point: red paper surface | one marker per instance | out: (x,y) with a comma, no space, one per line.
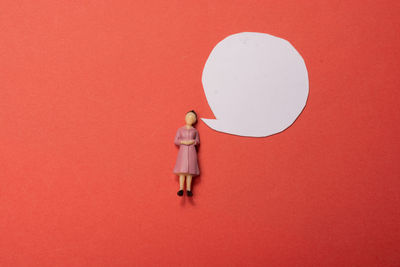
(91,96)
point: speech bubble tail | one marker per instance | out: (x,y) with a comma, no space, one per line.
(222,126)
(212,123)
(240,128)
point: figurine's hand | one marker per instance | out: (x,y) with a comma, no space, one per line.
(187,142)
(190,142)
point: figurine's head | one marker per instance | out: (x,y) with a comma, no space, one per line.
(191,117)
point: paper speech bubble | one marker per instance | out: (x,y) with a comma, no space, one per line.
(256,84)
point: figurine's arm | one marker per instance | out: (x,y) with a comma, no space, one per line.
(177,139)
(197,139)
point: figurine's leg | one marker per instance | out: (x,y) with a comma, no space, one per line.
(188,185)
(181,181)
(188,182)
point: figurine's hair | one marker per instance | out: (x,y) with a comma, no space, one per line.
(193,113)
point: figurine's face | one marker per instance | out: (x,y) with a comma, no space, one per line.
(190,118)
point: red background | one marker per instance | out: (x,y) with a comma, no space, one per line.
(92,93)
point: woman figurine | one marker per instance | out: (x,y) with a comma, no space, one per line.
(187,137)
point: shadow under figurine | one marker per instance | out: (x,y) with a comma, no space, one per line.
(187,137)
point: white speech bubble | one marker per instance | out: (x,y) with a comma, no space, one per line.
(256,84)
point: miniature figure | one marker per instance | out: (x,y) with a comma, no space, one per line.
(187,137)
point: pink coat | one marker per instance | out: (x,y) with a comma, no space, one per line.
(186,161)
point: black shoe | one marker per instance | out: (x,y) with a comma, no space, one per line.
(189,193)
(180,193)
